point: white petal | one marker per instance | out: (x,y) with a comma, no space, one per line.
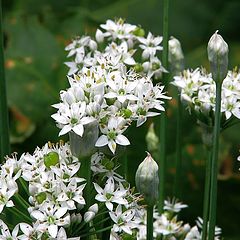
(38,215)
(112,146)
(53,229)
(26,228)
(102,141)
(60,212)
(65,129)
(122,140)
(78,129)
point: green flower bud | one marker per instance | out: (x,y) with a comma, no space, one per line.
(51,159)
(152,139)
(147,180)
(218,57)
(138,68)
(175,56)
(84,146)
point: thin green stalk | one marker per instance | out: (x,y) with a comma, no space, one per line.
(85,172)
(4,124)
(95,232)
(214,164)
(125,165)
(206,194)
(149,222)
(178,175)
(163,117)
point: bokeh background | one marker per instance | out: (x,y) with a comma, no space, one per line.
(35,34)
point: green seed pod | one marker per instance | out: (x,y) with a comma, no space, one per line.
(139,32)
(51,159)
(147,180)
(41,197)
(218,57)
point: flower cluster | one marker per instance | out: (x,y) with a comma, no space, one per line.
(198,90)
(50,178)
(168,225)
(112,97)
(122,41)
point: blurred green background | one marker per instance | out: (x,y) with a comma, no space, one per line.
(36,33)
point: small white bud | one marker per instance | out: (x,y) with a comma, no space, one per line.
(93,208)
(88,216)
(218,56)
(76,217)
(175,56)
(99,36)
(92,45)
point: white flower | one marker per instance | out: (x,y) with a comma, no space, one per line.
(113,134)
(51,217)
(173,205)
(110,195)
(73,119)
(123,220)
(71,194)
(165,227)
(150,45)
(5,233)
(8,188)
(118,29)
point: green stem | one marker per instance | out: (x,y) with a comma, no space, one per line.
(149,222)
(95,232)
(214,164)
(178,175)
(4,124)
(85,172)
(163,117)
(125,165)
(206,194)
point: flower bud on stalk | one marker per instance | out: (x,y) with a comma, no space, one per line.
(175,56)
(218,57)
(84,146)
(147,180)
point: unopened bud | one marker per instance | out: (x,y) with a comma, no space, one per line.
(218,57)
(99,36)
(88,216)
(152,139)
(76,217)
(147,180)
(175,56)
(84,146)
(93,208)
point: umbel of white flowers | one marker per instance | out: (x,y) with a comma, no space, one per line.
(218,57)
(147,180)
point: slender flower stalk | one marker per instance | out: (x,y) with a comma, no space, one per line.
(218,58)
(176,60)
(206,194)
(4,124)
(150,222)
(163,117)
(214,163)
(85,172)
(178,163)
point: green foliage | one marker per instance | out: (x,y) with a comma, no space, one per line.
(36,33)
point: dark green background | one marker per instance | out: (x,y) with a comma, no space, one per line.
(36,33)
